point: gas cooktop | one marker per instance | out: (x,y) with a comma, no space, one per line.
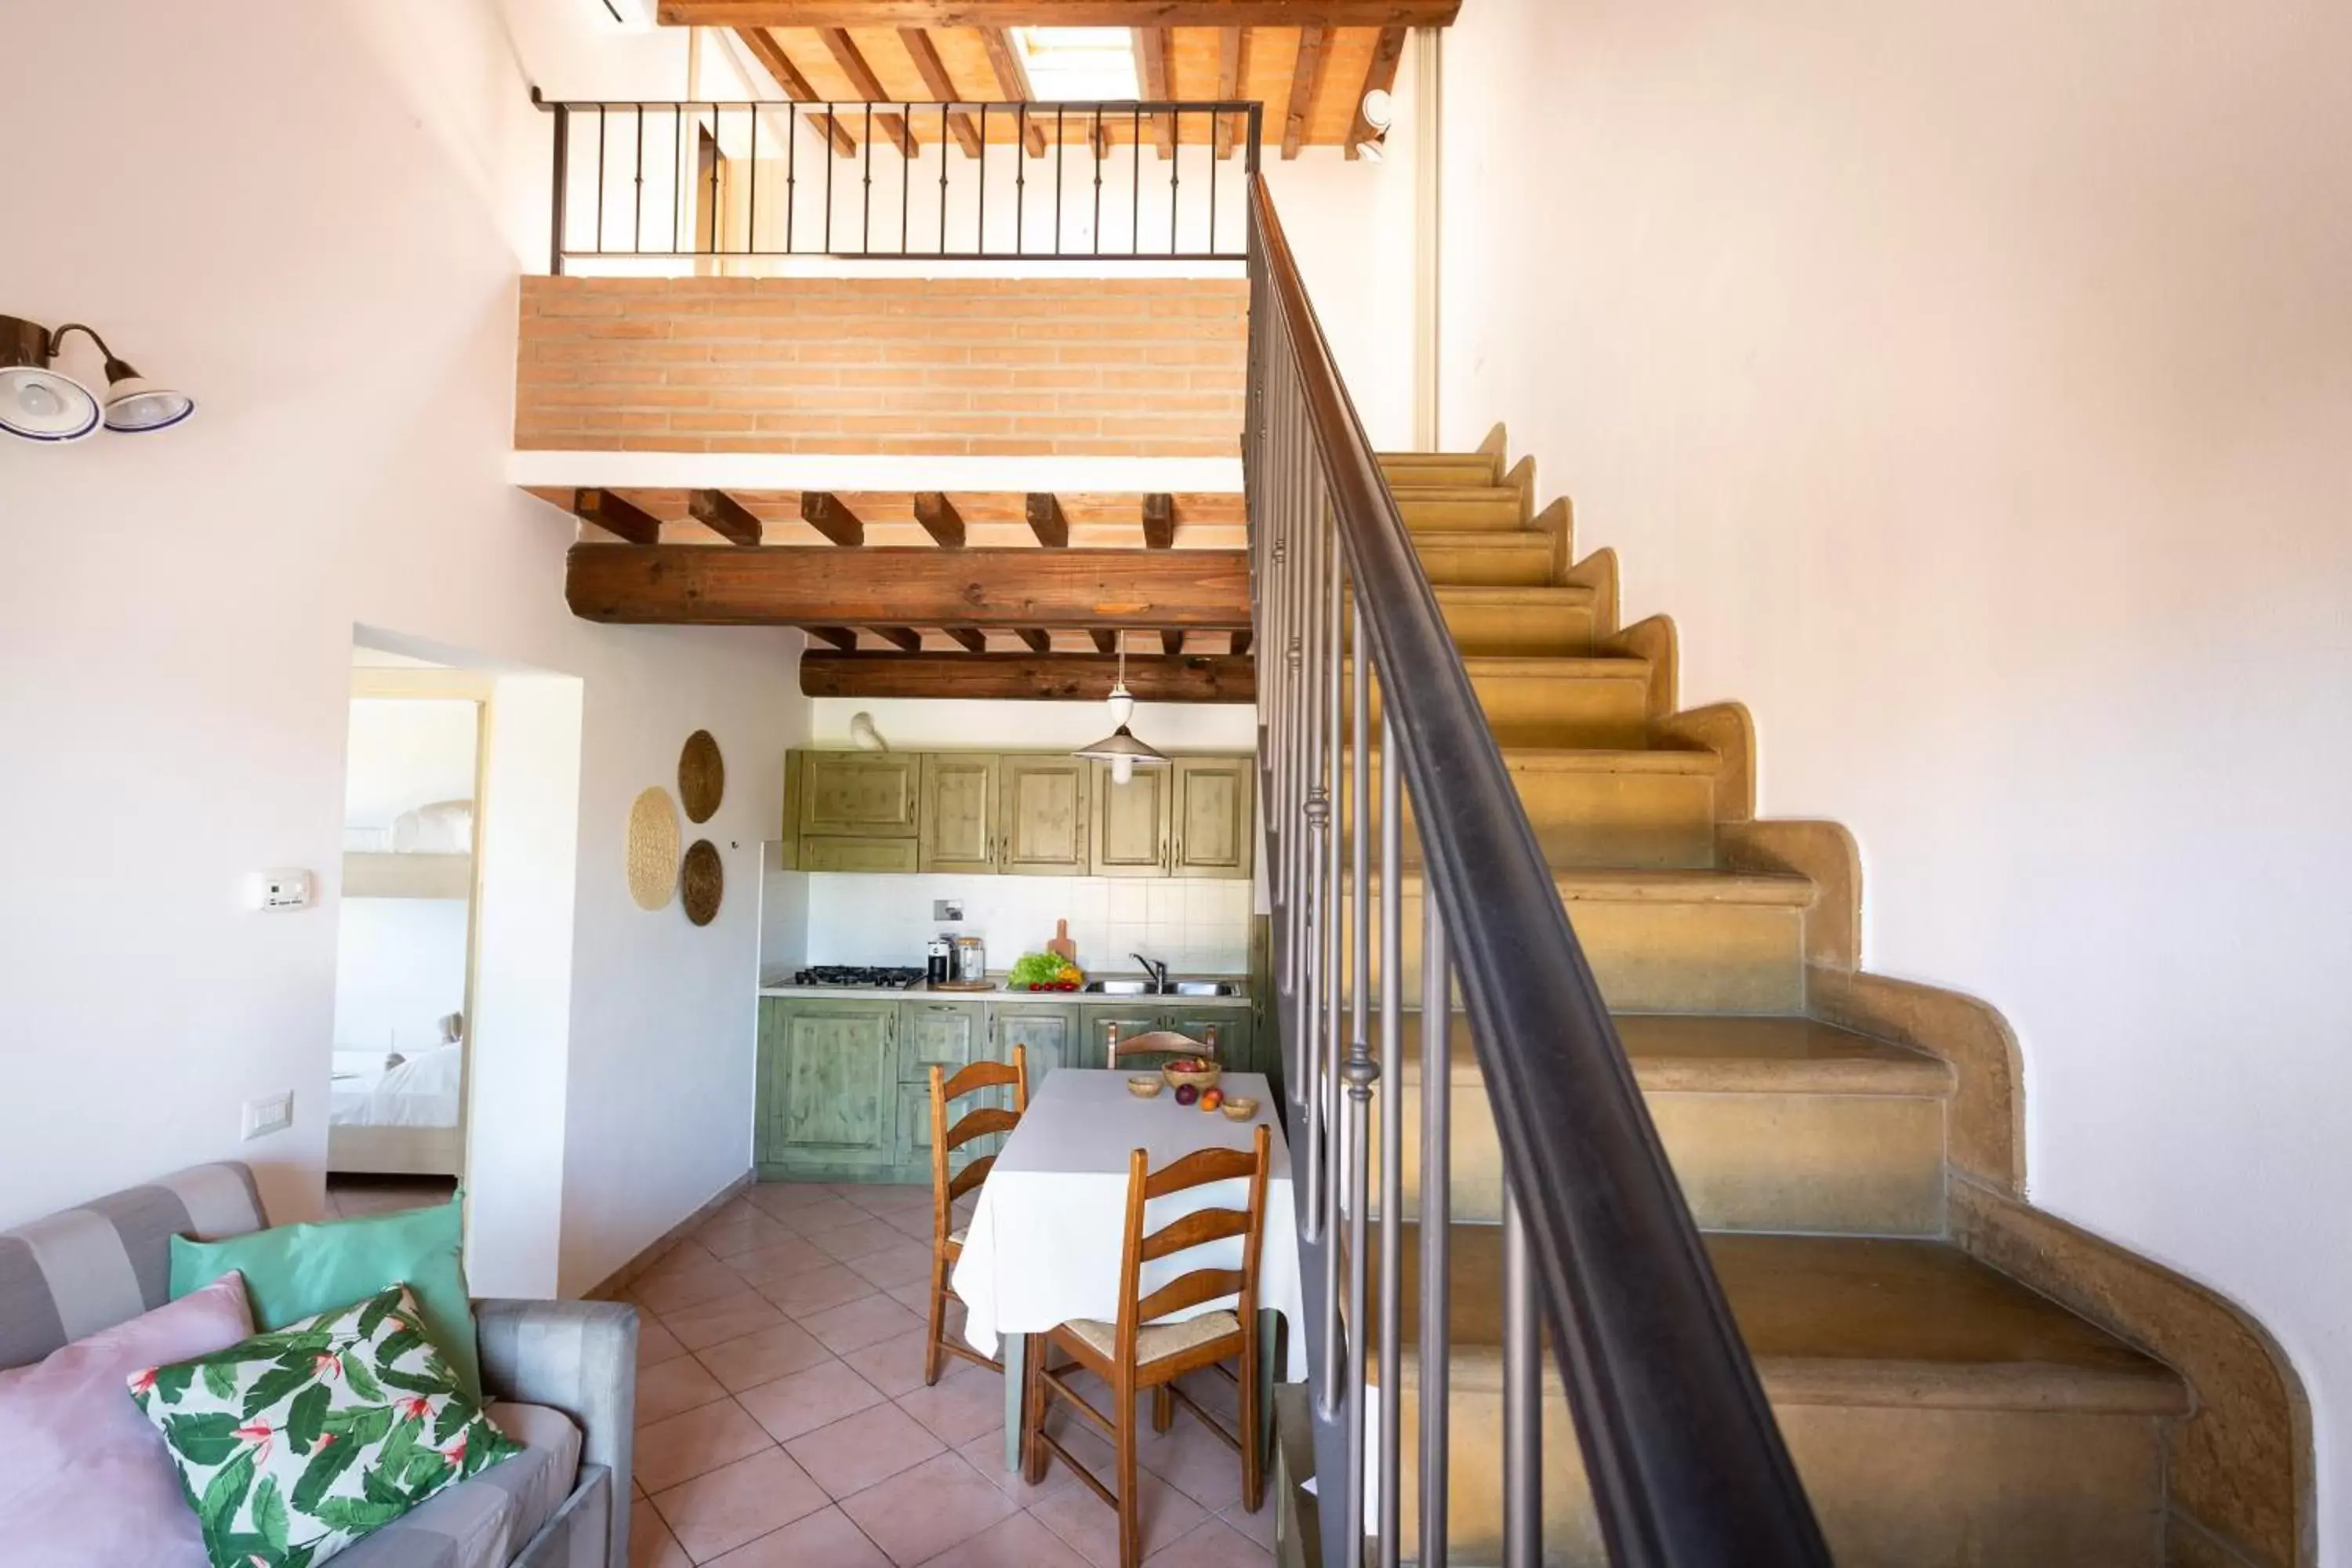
(870,977)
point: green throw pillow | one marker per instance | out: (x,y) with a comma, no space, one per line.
(297,1271)
(296,1443)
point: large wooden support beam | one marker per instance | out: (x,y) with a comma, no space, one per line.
(861,76)
(1011,76)
(611,514)
(723,515)
(1046,521)
(1240,644)
(1158,521)
(699,584)
(1306,81)
(1378,77)
(822,511)
(940,519)
(1058,13)
(1046,677)
(779,65)
(941,86)
(1105,640)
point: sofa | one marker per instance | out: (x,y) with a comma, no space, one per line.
(560,1376)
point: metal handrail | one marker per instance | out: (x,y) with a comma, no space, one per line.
(1685,1461)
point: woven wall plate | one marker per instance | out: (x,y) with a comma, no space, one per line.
(703,881)
(653,848)
(701,776)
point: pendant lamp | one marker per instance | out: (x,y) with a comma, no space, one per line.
(1120,749)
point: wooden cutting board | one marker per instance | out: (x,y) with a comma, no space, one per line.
(1062,947)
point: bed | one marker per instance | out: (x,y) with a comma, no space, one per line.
(390,1114)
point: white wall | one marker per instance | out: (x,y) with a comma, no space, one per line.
(1973,383)
(404,752)
(311,217)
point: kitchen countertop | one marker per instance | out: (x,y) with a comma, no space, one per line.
(997,993)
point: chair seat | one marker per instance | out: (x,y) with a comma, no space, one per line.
(955,1237)
(1156,1341)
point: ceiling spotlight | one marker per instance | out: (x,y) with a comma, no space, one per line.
(1380,108)
(43,405)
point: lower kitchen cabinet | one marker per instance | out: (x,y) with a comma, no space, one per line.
(949,1035)
(1233,1027)
(1133,1019)
(828,1085)
(1047,1032)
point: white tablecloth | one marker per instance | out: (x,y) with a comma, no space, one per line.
(1045,1242)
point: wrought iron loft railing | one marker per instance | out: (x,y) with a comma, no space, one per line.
(643,187)
(1685,1464)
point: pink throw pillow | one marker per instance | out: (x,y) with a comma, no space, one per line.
(84,1479)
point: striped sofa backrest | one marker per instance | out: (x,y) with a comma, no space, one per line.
(73,1273)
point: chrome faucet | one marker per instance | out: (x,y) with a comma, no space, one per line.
(1159,972)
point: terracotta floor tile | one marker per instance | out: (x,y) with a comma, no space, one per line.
(916,1515)
(651,1545)
(1213,1544)
(1019,1542)
(856,1453)
(753,1359)
(826,1539)
(966,1402)
(914,1224)
(684,1447)
(683,1255)
(674,1386)
(776,1199)
(728,1318)
(860,1239)
(854,1325)
(819,1289)
(900,1263)
(805,1401)
(1193,1459)
(895,1365)
(656,1344)
(1258,1526)
(778,1261)
(986,1455)
(816,1215)
(668,1293)
(741,1503)
(736,1234)
(1089,1527)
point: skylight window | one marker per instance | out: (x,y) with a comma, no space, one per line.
(1078,64)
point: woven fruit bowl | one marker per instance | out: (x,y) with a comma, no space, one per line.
(1198,1071)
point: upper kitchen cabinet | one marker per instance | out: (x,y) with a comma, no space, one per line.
(860,794)
(1211,811)
(1041,816)
(958,812)
(1130,831)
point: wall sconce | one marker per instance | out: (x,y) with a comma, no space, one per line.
(43,405)
(1378,113)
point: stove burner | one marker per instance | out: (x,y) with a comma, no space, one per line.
(871,977)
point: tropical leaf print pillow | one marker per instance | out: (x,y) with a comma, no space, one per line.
(296,1443)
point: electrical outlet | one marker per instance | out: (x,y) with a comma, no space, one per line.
(273,1113)
(947,909)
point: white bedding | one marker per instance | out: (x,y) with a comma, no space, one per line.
(421,1092)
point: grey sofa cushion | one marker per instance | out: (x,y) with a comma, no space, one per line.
(487,1522)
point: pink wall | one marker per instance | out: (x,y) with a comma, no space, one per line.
(1973,383)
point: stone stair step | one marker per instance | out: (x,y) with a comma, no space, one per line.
(1519,620)
(1560,702)
(1603,807)
(1940,1415)
(1522,558)
(1480,508)
(1413,468)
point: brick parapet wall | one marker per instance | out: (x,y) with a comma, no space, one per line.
(1082,366)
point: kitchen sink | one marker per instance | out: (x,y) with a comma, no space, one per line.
(1204,988)
(1123,988)
(1173,988)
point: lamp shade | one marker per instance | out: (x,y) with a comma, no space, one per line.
(135,404)
(37,403)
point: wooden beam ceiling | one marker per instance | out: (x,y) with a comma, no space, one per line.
(841,637)
(1012,78)
(844,49)
(1046,521)
(1172,643)
(940,519)
(1232,69)
(696,584)
(1378,77)
(1240,644)
(1159,522)
(906,639)
(723,515)
(940,86)
(967,638)
(1306,81)
(610,512)
(1038,641)
(772,59)
(1105,640)
(823,512)
(1155,72)
(1058,13)
(1192,678)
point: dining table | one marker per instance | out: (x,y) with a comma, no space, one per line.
(1047,1237)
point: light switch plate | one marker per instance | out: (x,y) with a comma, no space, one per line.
(273,1113)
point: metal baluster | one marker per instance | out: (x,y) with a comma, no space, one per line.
(556,209)
(600,179)
(1175,174)
(1314,807)
(1436,1208)
(1213,120)
(1095,145)
(1332,1023)
(1361,1070)
(678,160)
(1391,1348)
(1061,159)
(829,123)
(943,177)
(1135,197)
(751,200)
(1522,1392)
(866,194)
(637,201)
(980,207)
(1019,177)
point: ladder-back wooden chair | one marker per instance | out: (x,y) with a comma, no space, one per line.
(1141,1352)
(946,1242)
(1161,1043)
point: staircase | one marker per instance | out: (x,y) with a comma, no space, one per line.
(1939,1413)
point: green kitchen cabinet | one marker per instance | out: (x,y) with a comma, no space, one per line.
(860,794)
(958,812)
(950,1036)
(1143,1015)
(1210,814)
(1133,1015)
(1130,823)
(1233,1027)
(857,854)
(829,1081)
(1048,1030)
(1041,816)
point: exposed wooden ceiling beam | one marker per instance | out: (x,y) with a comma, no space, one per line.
(611,514)
(1233,70)
(1046,521)
(940,519)
(1241,643)
(1153,71)
(1172,643)
(841,637)
(816,586)
(906,639)
(844,49)
(1158,521)
(1050,677)
(1038,641)
(1306,81)
(794,86)
(1378,77)
(823,512)
(941,86)
(968,639)
(1011,76)
(724,515)
(1058,13)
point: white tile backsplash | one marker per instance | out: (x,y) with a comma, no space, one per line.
(1201,927)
